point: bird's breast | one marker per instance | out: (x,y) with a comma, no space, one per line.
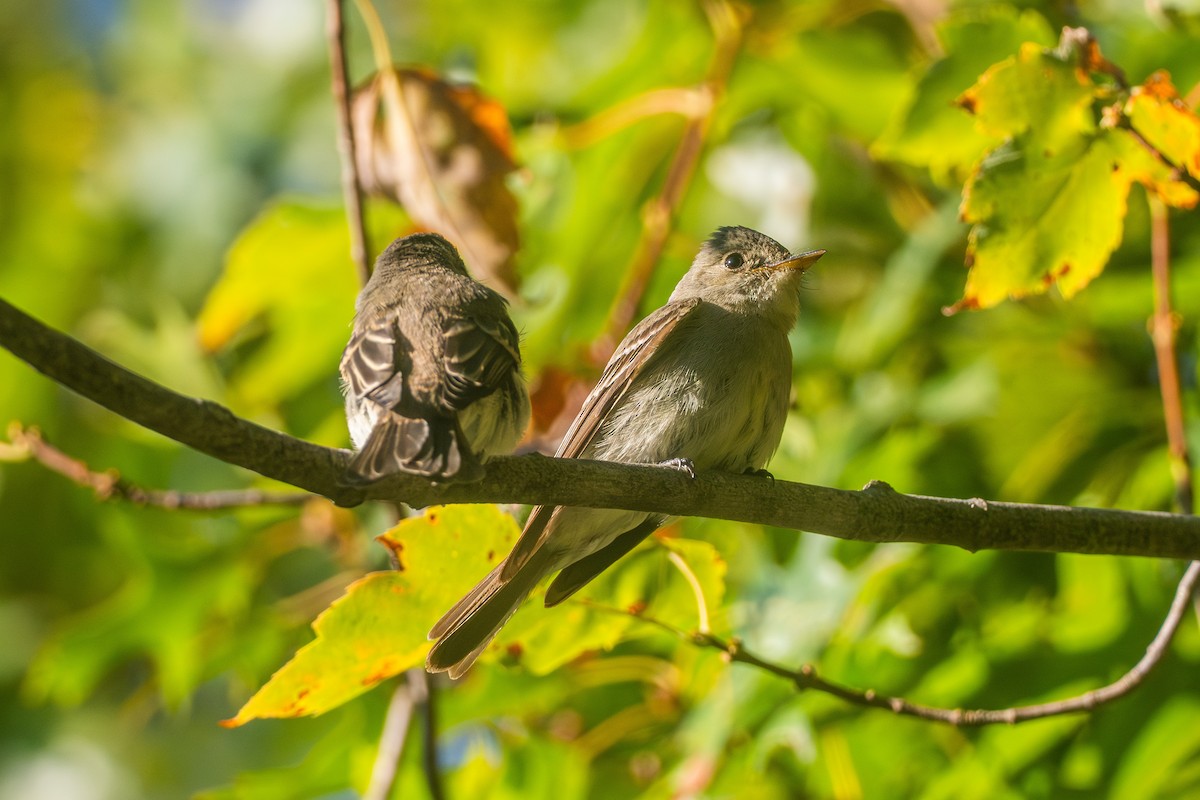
(719,400)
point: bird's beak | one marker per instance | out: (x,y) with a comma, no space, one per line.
(799,261)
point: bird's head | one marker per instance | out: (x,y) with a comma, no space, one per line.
(420,250)
(748,272)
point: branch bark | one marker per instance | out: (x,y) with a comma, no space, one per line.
(109,485)
(877,513)
(805,677)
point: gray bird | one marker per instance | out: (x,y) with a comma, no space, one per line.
(702,383)
(432,372)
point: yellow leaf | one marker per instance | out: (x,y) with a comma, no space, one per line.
(378,628)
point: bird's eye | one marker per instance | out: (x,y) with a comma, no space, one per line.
(734,260)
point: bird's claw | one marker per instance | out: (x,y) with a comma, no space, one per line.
(681,464)
(760,473)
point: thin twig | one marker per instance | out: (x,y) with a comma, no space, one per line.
(691,102)
(1162,331)
(425,692)
(391,743)
(806,677)
(352,193)
(109,485)
(410,698)
(659,214)
(876,513)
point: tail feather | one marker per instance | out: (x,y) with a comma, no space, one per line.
(433,448)
(467,628)
(471,601)
(575,576)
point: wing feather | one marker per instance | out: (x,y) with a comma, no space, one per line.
(480,353)
(636,352)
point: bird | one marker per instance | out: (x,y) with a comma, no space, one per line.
(432,371)
(702,383)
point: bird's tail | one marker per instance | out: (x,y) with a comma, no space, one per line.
(466,629)
(433,448)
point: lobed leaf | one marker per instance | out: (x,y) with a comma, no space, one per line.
(1048,205)
(1164,122)
(378,628)
(931,130)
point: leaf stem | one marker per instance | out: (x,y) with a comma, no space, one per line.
(697,590)
(375,30)
(391,743)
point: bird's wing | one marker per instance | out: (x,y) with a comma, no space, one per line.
(374,363)
(409,435)
(575,576)
(633,355)
(481,350)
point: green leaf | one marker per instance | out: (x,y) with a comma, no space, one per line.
(289,280)
(1092,607)
(176,609)
(1048,205)
(931,130)
(1038,92)
(378,628)
(644,582)
(1162,761)
(1042,217)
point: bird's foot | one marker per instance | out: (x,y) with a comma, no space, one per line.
(759,473)
(681,464)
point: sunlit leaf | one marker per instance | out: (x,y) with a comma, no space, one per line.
(378,628)
(932,130)
(1041,220)
(444,152)
(1038,92)
(288,278)
(1165,123)
(1048,205)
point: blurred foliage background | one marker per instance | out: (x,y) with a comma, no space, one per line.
(151,151)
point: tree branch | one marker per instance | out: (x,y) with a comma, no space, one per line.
(806,677)
(875,514)
(200,424)
(109,485)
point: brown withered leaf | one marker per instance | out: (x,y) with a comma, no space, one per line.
(442,151)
